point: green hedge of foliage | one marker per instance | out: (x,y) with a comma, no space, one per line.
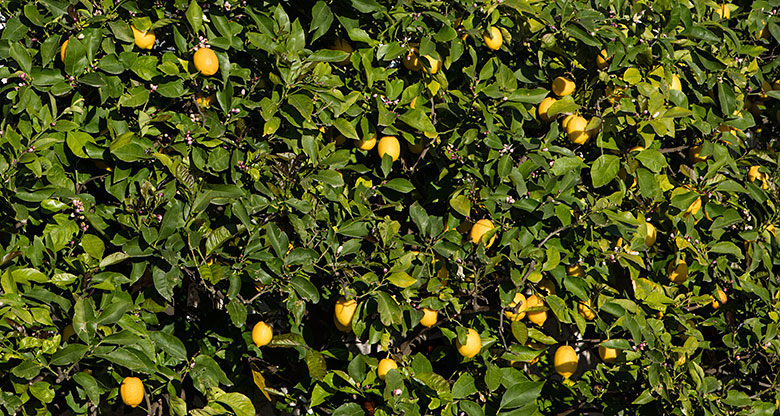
(151,215)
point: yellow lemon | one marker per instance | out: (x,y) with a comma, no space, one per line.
(479,229)
(677,273)
(472,346)
(366,144)
(345,310)
(518,300)
(430,317)
(63,48)
(567,119)
(651,234)
(340,327)
(417,148)
(693,154)
(563,86)
(608,355)
(676,84)
(412,61)
(694,208)
(576,270)
(342,45)
(585,309)
(389,145)
(385,365)
(720,295)
(132,391)
(493,38)
(538,317)
(565,361)
(723,11)
(543,107)
(575,129)
(144,40)
(434,63)
(602,60)
(206,61)
(262,334)
(754,174)
(205,101)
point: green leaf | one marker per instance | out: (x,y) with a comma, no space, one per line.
(69,355)
(652,159)
(389,311)
(93,246)
(463,387)
(349,409)
(76,141)
(521,395)
(321,19)
(461,204)
(399,184)
(604,169)
(305,289)
(401,279)
(240,404)
(345,128)
(417,119)
(316,364)
(195,16)
(520,331)
(169,344)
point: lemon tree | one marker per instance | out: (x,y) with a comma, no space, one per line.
(368,207)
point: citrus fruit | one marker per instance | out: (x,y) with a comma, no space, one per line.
(510,313)
(63,48)
(340,327)
(493,38)
(479,229)
(567,119)
(366,144)
(754,174)
(206,61)
(563,86)
(205,101)
(575,129)
(565,361)
(546,286)
(723,11)
(472,346)
(651,234)
(144,40)
(694,208)
(720,295)
(344,310)
(429,317)
(262,334)
(411,60)
(607,355)
(678,273)
(434,63)
(342,45)
(389,145)
(543,107)
(693,154)
(576,270)
(538,317)
(385,365)
(132,391)
(602,60)
(585,310)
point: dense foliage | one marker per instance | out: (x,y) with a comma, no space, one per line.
(151,215)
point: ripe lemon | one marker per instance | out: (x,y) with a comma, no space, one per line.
(536,317)
(565,361)
(344,310)
(585,310)
(132,391)
(607,355)
(720,295)
(411,60)
(144,40)
(434,63)
(389,145)
(576,270)
(693,154)
(546,286)
(754,174)
(562,86)
(493,38)
(479,229)
(205,101)
(262,334)
(417,148)
(694,208)
(206,61)
(723,11)
(366,144)
(342,328)
(385,365)
(63,48)
(342,45)
(430,317)
(567,119)
(651,234)
(677,273)
(575,129)
(602,60)
(518,300)
(676,84)
(472,346)
(543,107)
